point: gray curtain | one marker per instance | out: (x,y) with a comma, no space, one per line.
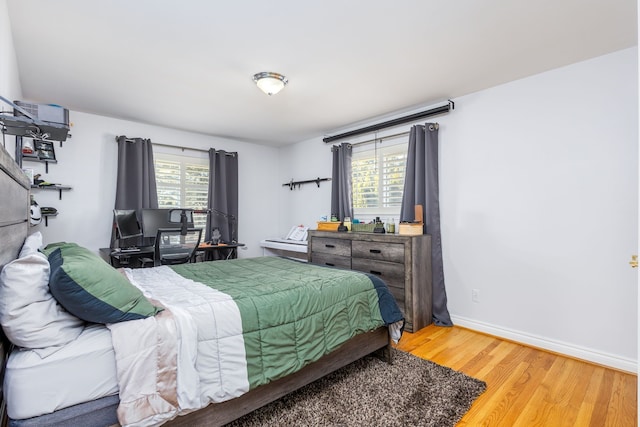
(223,195)
(341,197)
(136,178)
(421,188)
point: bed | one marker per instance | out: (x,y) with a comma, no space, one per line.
(244,315)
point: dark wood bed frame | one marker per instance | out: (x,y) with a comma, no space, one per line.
(14,227)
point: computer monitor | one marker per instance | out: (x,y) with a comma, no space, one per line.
(183,217)
(127,226)
(152,219)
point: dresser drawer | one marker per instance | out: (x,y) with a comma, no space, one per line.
(331,246)
(387,271)
(395,285)
(330,260)
(383,251)
(391,273)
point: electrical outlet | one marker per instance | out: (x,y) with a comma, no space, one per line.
(475,295)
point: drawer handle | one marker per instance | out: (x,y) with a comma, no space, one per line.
(329,264)
(329,246)
(375,251)
(377,273)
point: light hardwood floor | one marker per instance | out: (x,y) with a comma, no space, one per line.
(526,386)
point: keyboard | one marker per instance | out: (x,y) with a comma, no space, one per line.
(129,250)
(288,241)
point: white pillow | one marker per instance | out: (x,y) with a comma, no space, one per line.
(31,244)
(29,315)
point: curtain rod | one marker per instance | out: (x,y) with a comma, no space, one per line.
(179,147)
(176,146)
(381,138)
(401,120)
(392,136)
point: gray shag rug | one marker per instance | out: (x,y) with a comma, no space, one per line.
(370,392)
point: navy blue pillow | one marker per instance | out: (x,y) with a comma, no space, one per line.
(91,289)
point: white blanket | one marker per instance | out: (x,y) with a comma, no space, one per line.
(190,355)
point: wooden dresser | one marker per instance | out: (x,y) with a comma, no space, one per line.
(403,262)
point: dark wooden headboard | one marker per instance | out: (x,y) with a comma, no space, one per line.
(14,209)
(14,226)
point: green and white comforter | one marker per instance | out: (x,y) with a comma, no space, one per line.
(255,321)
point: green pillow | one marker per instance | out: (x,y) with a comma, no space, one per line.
(91,289)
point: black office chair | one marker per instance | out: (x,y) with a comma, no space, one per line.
(174,247)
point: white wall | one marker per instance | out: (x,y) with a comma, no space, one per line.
(9,79)
(304,205)
(539,207)
(88,163)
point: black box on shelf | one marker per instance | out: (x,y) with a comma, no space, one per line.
(45,150)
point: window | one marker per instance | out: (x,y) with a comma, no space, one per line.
(182,182)
(378,178)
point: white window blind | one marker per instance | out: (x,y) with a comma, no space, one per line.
(378,178)
(182,182)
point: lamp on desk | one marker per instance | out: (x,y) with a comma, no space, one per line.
(229,217)
(180,216)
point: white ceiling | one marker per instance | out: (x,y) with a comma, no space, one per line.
(188,64)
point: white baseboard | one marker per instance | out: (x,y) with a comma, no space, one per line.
(606,359)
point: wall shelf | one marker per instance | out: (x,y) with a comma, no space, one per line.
(35,159)
(25,123)
(46,218)
(293,183)
(60,188)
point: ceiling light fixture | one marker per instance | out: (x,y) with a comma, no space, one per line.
(270,83)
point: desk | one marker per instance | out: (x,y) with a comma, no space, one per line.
(224,250)
(126,259)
